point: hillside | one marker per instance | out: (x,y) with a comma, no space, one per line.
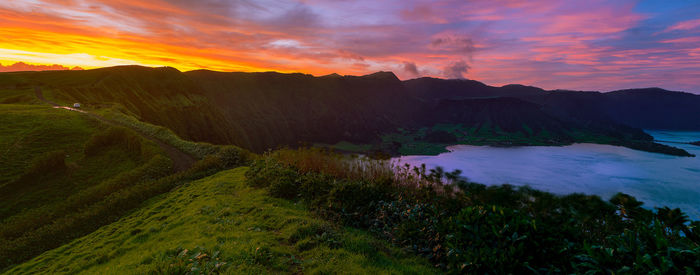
(273,109)
(648,108)
(260,111)
(68,172)
(236,229)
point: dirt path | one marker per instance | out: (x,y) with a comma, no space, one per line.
(181,160)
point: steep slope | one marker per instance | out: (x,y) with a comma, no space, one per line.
(273,109)
(162,96)
(49,154)
(240,229)
(509,114)
(654,108)
(56,162)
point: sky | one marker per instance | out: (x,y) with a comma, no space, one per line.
(553,44)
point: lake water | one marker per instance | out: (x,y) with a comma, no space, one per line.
(603,170)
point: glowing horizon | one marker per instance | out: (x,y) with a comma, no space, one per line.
(596,45)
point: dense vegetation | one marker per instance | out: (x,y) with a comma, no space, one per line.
(220,225)
(467,227)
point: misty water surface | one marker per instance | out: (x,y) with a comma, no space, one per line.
(655,179)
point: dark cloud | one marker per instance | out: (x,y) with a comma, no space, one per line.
(299,17)
(410,68)
(456,70)
(459,45)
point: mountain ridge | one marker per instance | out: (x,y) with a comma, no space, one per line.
(264,110)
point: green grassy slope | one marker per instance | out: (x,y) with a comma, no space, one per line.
(250,232)
(32,134)
(55,164)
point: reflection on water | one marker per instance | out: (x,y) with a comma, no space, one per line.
(656,179)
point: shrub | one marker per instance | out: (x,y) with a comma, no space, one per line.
(315,187)
(353,200)
(416,226)
(472,228)
(285,184)
(185,261)
(51,162)
(127,139)
(644,250)
(490,239)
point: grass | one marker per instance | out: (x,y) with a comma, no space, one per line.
(196,149)
(252,233)
(31,133)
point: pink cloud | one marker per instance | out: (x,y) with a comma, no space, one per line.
(685,25)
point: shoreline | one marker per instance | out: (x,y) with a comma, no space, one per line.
(652,147)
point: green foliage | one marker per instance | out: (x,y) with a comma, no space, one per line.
(196,149)
(285,184)
(641,249)
(49,163)
(188,262)
(353,198)
(314,186)
(253,233)
(28,132)
(410,224)
(29,234)
(490,240)
(465,227)
(114,136)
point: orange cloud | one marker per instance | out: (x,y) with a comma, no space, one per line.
(21,66)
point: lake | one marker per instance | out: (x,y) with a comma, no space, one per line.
(603,170)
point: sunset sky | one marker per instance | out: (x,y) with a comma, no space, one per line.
(554,44)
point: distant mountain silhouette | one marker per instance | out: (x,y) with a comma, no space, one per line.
(648,108)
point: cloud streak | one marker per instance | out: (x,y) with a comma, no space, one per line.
(596,45)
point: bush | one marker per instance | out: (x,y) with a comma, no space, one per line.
(644,250)
(490,239)
(416,226)
(114,136)
(315,187)
(185,261)
(285,184)
(472,228)
(354,198)
(47,163)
